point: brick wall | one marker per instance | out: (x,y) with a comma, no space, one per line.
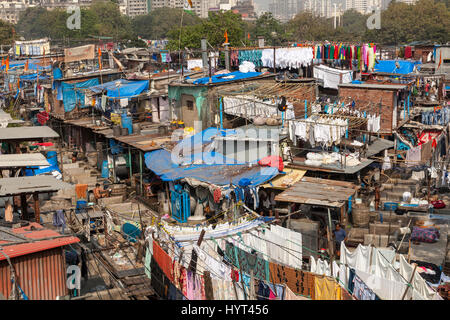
(309,93)
(422,53)
(364,96)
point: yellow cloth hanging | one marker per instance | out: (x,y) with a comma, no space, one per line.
(326,288)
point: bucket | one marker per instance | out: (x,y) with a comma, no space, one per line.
(127,123)
(117,131)
(124,131)
(136,128)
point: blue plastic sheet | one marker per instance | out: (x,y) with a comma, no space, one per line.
(388,66)
(126,89)
(32,77)
(232,76)
(205,136)
(32,65)
(52,158)
(160,162)
(57,73)
(71,94)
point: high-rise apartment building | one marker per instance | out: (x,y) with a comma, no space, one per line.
(363,6)
(284,10)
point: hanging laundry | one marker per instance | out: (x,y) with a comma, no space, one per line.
(248,262)
(326,288)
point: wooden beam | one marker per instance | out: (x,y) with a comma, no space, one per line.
(37,209)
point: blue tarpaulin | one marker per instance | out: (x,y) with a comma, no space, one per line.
(205,136)
(57,73)
(215,168)
(72,94)
(52,160)
(237,75)
(32,77)
(160,162)
(388,66)
(32,65)
(121,88)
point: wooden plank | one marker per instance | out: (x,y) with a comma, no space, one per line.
(141,292)
(332,182)
(135,280)
(131,272)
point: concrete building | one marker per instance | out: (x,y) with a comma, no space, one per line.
(136,7)
(200,7)
(363,6)
(284,10)
(10,10)
(321,8)
(246,9)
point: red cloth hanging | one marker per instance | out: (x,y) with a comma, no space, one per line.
(408,52)
(163,260)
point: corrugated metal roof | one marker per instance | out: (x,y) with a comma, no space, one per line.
(374,86)
(36,234)
(22,160)
(27,133)
(42,183)
(315,191)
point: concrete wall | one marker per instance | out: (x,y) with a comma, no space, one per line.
(443,52)
(364,96)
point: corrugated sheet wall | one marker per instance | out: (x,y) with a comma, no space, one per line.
(41,275)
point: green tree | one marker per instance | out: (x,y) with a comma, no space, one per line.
(213,29)
(160,21)
(7,32)
(402,23)
(270,29)
(305,26)
(100,19)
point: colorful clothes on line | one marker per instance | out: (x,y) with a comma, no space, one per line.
(159,282)
(289,295)
(300,282)
(361,291)
(248,262)
(209,291)
(326,288)
(163,260)
(195,286)
(174,293)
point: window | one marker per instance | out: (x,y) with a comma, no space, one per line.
(190,105)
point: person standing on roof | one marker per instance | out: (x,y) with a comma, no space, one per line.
(339,235)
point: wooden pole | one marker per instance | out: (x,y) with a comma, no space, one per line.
(409,284)
(274,67)
(23,205)
(61,157)
(37,210)
(403,238)
(129,160)
(140,173)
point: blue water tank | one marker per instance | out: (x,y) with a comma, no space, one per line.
(105,170)
(127,123)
